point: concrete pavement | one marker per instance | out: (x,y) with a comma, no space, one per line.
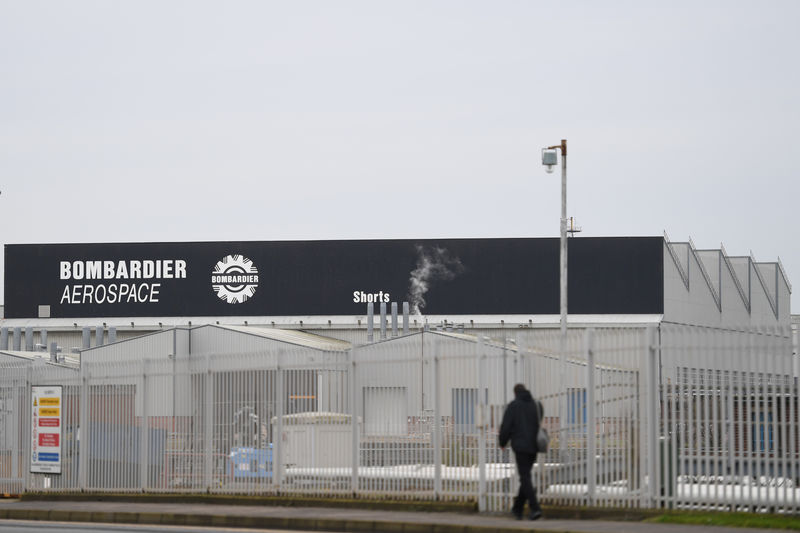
(319,518)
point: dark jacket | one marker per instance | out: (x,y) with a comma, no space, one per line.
(520,424)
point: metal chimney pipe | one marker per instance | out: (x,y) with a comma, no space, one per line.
(17,341)
(394,319)
(54,352)
(87,338)
(3,338)
(370,321)
(98,335)
(405,318)
(112,335)
(28,339)
(43,338)
(383,320)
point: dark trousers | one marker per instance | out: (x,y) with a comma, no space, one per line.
(526,491)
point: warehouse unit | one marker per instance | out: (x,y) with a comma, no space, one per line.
(413,412)
(81,295)
(77,296)
(487,286)
(383,367)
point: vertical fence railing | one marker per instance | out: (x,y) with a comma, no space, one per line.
(481,422)
(436,425)
(355,440)
(650,476)
(591,418)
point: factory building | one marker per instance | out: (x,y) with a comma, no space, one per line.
(495,287)
(388,354)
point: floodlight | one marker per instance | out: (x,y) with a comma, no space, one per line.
(549,159)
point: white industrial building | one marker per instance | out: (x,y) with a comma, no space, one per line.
(383,401)
(703,288)
(723,300)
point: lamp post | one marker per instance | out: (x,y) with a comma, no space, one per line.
(549,160)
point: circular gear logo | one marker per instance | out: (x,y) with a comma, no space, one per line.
(234,279)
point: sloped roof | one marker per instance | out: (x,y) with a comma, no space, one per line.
(27,357)
(293,336)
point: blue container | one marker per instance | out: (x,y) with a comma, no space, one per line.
(248,463)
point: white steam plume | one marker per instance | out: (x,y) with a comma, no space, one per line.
(433,264)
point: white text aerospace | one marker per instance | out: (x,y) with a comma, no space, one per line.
(121,291)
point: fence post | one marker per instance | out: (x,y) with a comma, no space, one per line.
(651,413)
(143,431)
(277,435)
(354,421)
(437,430)
(792,428)
(208,425)
(17,414)
(482,423)
(591,422)
(83,428)
(26,423)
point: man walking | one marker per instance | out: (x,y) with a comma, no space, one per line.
(521,426)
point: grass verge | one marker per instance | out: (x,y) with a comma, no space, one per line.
(745,520)
(233,499)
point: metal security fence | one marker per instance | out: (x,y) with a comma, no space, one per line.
(728,434)
(674,417)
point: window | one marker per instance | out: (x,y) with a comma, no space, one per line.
(762,433)
(465,402)
(576,407)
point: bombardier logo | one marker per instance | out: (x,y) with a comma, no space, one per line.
(235,279)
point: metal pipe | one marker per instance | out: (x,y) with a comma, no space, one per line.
(370,321)
(87,339)
(17,340)
(383,320)
(98,336)
(43,338)
(394,319)
(405,318)
(29,339)
(112,335)
(3,338)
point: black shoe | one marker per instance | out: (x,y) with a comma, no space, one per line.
(517,514)
(535,515)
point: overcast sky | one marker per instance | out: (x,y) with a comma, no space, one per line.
(183,121)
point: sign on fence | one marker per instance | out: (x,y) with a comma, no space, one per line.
(46,410)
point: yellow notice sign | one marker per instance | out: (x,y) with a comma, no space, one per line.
(49,401)
(49,411)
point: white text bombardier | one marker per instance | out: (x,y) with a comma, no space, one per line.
(133,269)
(118,270)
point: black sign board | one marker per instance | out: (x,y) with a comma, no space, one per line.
(297,278)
